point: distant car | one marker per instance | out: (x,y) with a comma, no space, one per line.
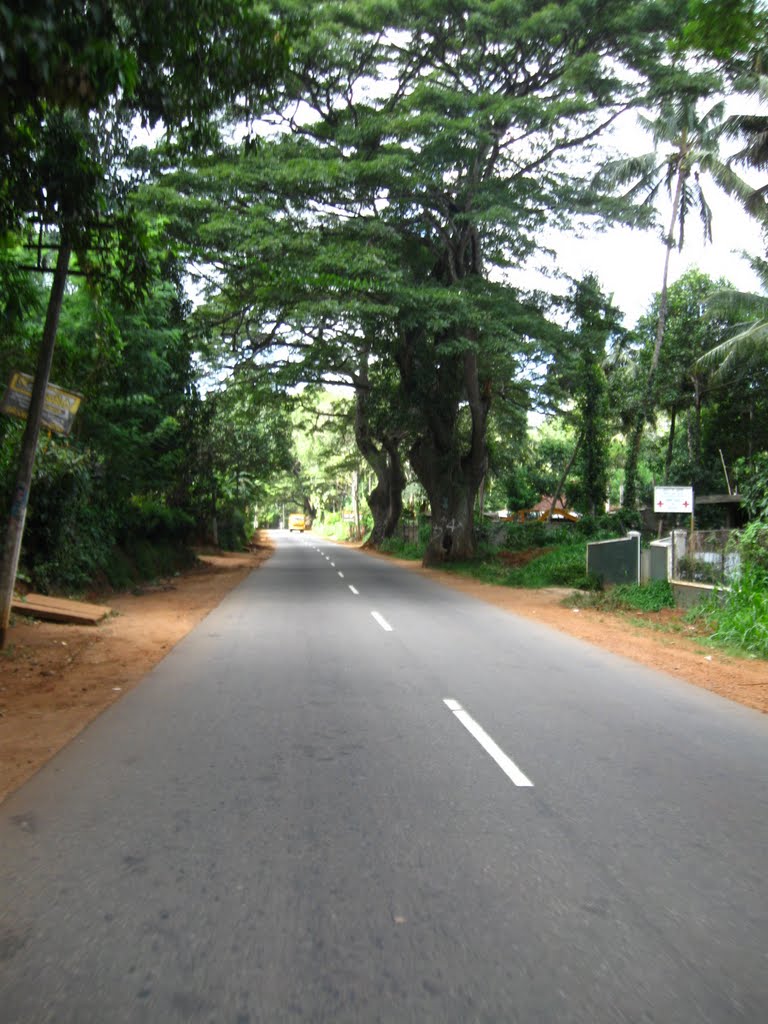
(296,521)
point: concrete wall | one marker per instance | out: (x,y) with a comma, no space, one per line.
(615,561)
(688,595)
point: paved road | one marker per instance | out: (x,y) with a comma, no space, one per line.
(287,822)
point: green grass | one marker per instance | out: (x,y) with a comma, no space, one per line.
(638,597)
(740,623)
(399,548)
(563,566)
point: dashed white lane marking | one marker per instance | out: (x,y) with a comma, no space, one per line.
(506,764)
(333,565)
(353,589)
(382,622)
(341,574)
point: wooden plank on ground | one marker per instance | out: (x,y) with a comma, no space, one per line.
(59,609)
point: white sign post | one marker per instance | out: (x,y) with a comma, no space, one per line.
(673,499)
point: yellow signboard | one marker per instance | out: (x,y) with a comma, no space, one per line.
(59,409)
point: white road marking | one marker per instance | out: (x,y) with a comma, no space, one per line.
(382,622)
(341,574)
(333,565)
(353,589)
(327,558)
(506,764)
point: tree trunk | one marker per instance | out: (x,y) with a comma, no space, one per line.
(451,485)
(214,514)
(564,476)
(396,485)
(646,406)
(356,502)
(696,454)
(668,460)
(18,513)
(450,477)
(670,445)
(386,499)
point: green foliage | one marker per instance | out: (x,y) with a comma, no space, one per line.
(561,566)
(723,28)
(234,527)
(150,518)
(564,566)
(538,533)
(71,62)
(695,570)
(642,597)
(577,386)
(374,226)
(738,617)
(740,621)
(70,531)
(753,545)
(140,560)
(534,534)
(400,548)
(75,536)
(752,476)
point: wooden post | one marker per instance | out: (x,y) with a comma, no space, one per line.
(18,512)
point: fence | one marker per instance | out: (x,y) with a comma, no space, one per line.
(408,530)
(705,556)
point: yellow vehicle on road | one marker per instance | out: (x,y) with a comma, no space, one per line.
(296,521)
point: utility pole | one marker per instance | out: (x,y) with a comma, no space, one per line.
(20,500)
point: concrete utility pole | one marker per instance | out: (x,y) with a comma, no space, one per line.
(18,514)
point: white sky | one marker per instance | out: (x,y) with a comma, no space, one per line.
(629,262)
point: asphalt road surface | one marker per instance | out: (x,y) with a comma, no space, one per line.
(353,795)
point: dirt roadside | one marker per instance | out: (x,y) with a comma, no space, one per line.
(54,678)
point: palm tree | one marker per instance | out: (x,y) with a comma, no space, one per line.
(753,130)
(750,341)
(751,338)
(691,150)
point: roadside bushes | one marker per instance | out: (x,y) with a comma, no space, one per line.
(639,597)
(70,530)
(741,620)
(76,534)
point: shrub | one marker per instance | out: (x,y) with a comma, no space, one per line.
(564,566)
(400,548)
(69,529)
(233,528)
(149,518)
(560,566)
(741,621)
(753,545)
(642,597)
(696,570)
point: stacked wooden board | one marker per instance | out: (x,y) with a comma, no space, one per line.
(59,609)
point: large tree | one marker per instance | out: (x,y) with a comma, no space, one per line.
(687,143)
(418,148)
(73,75)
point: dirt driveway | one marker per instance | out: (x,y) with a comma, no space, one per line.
(54,679)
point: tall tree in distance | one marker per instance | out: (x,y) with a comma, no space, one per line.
(686,148)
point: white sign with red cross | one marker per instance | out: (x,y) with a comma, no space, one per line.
(673,499)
